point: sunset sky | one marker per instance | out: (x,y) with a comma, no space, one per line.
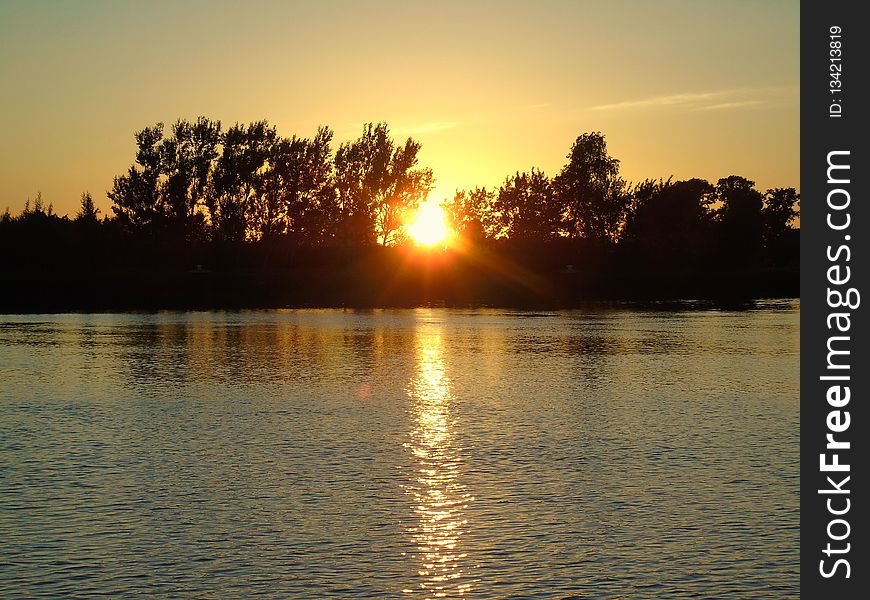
(689,88)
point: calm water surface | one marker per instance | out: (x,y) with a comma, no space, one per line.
(389,454)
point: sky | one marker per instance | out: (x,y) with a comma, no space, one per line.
(682,88)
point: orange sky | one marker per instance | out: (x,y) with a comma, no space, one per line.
(690,88)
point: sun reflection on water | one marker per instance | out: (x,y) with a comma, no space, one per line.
(439,496)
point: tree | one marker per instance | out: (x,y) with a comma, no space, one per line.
(781,207)
(235,181)
(186,161)
(669,224)
(526,208)
(87,212)
(740,221)
(378,185)
(471,213)
(136,195)
(167,190)
(351,163)
(593,196)
(38,207)
(267,209)
(315,213)
(295,189)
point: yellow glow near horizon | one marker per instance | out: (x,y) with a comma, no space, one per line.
(430,224)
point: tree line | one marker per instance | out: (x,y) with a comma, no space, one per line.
(248,183)
(198,183)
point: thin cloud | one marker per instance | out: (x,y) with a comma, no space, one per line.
(730,105)
(718,100)
(660,101)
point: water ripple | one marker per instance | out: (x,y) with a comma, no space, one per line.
(628,453)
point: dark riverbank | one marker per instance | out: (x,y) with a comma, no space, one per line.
(149,289)
(76,267)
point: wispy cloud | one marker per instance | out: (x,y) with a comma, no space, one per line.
(659,101)
(730,105)
(716,100)
(540,105)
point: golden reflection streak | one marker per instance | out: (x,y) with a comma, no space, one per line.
(439,496)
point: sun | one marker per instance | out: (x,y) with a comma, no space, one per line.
(430,224)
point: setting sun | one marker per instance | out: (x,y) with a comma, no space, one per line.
(429,226)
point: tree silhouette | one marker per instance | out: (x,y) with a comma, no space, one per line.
(136,195)
(269,210)
(740,221)
(283,220)
(471,213)
(377,181)
(167,190)
(248,198)
(352,162)
(593,196)
(232,196)
(526,208)
(314,212)
(781,207)
(186,163)
(87,212)
(38,207)
(296,190)
(669,224)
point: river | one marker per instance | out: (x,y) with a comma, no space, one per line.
(602,453)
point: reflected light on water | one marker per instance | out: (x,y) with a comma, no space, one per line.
(439,496)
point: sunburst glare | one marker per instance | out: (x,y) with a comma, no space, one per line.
(430,224)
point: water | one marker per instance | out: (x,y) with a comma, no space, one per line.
(389,454)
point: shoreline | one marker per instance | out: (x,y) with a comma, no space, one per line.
(30,292)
